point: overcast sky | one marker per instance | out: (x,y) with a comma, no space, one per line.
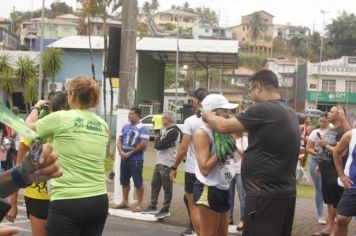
(297,12)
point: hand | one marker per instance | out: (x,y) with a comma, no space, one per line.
(206,115)
(173,175)
(41,103)
(346,181)
(317,170)
(12,213)
(124,155)
(322,143)
(340,111)
(48,167)
(9,231)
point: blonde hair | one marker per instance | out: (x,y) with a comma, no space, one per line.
(85,91)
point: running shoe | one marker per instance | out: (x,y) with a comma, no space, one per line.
(188,232)
(162,213)
(149,210)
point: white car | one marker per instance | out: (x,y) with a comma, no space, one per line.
(147,121)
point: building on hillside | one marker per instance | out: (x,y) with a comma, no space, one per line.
(262,45)
(211,32)
(239,76)
(332,82)
(289,31)
(97,26)
(71,18)
(5,24)
(283,68)
(8,40)
(167,20)
(53,29)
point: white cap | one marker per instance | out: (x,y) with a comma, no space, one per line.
(214,101)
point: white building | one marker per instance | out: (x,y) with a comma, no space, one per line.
(211,32)
(332,82)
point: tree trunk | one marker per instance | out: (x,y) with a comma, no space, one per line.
(9,98)
(105,71)
(111,152)
(128,54)
(90,48)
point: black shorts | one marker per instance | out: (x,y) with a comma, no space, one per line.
(75,217)
(347,204)
(212,197)
(268,216)
(331,190)
(189,180)
(36,207)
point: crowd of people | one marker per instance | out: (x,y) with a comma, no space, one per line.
(220,150)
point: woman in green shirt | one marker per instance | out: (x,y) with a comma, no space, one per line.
(79,202)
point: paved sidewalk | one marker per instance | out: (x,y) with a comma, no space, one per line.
(305,220)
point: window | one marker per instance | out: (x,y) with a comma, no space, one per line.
(206,30)
(328,85)
(350,87)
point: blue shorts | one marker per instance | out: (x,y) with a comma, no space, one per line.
(347,203)
(214,198)
(130,168)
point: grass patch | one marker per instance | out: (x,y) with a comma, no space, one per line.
(303,191)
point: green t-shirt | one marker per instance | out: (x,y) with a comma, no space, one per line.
(80,138)
(157,121)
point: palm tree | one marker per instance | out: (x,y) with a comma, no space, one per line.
(88,12)
(9,83)
(30,92)
(25,69)
(5,64)
(256,27)
(52,62)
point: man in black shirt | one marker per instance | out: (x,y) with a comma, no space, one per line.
(269,163)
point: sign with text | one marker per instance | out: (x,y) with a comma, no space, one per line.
(338,97)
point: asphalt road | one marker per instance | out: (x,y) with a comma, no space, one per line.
(115,226)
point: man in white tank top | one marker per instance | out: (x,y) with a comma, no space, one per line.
(347,179)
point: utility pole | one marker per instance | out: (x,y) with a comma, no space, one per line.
(177,67)
(128,54)
(40,73)
(320,58)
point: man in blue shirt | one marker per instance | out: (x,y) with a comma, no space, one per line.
(131,145)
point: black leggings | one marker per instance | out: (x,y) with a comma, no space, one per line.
(77,217)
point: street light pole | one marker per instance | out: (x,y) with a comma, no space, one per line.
(321,55)
(177,66)
(40,73)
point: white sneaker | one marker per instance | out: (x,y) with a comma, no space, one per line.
(321,220)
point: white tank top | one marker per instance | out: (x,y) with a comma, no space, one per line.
(221,175)
(350,167)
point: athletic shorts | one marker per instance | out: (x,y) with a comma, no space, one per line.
(78,217)
(130,168)
(268,216)
(189,180)
(212,197)
(347,204)
(37,207)
(331,190)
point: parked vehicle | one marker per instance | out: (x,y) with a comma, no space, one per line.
(314,113)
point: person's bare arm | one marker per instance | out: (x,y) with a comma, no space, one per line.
(222,124)
(138,148)
(202,146)
(12,213)
(181,154)
(33,116)
(310,147)
(337,155)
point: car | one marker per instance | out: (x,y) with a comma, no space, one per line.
(314,113)
(147,121)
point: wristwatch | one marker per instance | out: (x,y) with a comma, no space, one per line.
(35,108)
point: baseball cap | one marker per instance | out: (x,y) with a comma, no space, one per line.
(214,101)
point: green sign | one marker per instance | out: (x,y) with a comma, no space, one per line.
(340,97)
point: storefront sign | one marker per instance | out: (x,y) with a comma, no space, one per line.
(336,70)
(339,97)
